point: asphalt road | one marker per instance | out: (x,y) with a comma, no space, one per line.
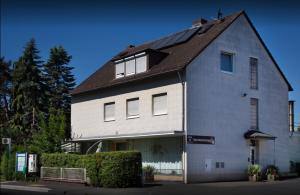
(286,187)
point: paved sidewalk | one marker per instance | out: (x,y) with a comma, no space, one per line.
(286,187)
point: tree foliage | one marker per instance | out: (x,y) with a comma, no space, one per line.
(5,93)
(60,82)
(51,132)
(35,100)
(28,92)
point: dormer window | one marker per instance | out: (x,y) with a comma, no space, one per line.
(131,65)
(120,69)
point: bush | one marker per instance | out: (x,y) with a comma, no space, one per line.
(108,169)
(148,170)
(271,170)
(254,170)
(8,164)
(121,169)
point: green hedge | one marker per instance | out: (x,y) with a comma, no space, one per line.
(108,169)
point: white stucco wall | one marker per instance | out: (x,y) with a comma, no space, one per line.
(87,118)
(215,107)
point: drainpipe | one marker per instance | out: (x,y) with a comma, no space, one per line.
(183,83)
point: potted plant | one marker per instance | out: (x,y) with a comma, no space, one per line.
(148,172)
(254,172)
(272,172)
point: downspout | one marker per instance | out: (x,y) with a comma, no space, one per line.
(183,125)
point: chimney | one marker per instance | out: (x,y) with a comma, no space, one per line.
(199,22)
(291,116)
(130,46)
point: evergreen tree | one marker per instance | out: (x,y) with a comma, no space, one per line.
(28,93)
(60,82)
(5,96)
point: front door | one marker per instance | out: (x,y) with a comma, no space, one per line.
(252,155)
(253,159)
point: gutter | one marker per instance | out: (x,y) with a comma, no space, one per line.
(184,129)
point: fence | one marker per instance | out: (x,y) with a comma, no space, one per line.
(64,174)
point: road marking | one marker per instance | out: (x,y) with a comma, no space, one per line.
(25,188)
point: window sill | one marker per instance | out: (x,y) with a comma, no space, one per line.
(227,72)
(160,114)
(133,117)
(110,120)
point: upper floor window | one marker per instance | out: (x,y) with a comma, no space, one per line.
(159,103)
(227,62)
(109,111)
(133,108)
(254,113)
(253,73)
(120,69)
(131,65)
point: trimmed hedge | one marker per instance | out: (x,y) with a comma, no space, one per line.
(107,169)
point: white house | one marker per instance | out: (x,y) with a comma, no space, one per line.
(203,103)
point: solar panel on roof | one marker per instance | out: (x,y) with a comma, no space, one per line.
(173,39)
(205,28)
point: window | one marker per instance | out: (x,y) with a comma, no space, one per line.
(130,67)
(141,64)
(120,70)
(253,73)
(109,111)
(227,62)
(159,103)
(133,108)
(121,146)
(254,113)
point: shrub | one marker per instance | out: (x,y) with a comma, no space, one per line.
(109,169)
(121,169)
(8,164)
(254,170)
(148,170)
(271,170)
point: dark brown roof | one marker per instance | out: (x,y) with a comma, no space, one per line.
(178,57)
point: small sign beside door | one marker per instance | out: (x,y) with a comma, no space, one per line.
(196,139)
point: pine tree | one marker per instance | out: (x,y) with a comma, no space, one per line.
(5,96)
(60,81)
(28,93)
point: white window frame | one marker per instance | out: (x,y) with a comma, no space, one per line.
(119,75)
(157,95)
(134,58)
(133,116)
(131,58)
(104,111)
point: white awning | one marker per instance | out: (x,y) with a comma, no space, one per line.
(253,134)
(131,136)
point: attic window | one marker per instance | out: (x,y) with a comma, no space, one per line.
(131,65)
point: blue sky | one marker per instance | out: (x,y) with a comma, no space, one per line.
(94,31)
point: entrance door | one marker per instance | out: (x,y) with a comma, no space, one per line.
(252,155)
(253,159)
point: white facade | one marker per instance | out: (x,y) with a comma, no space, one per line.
(217,107)
(87,117)
(212,103)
